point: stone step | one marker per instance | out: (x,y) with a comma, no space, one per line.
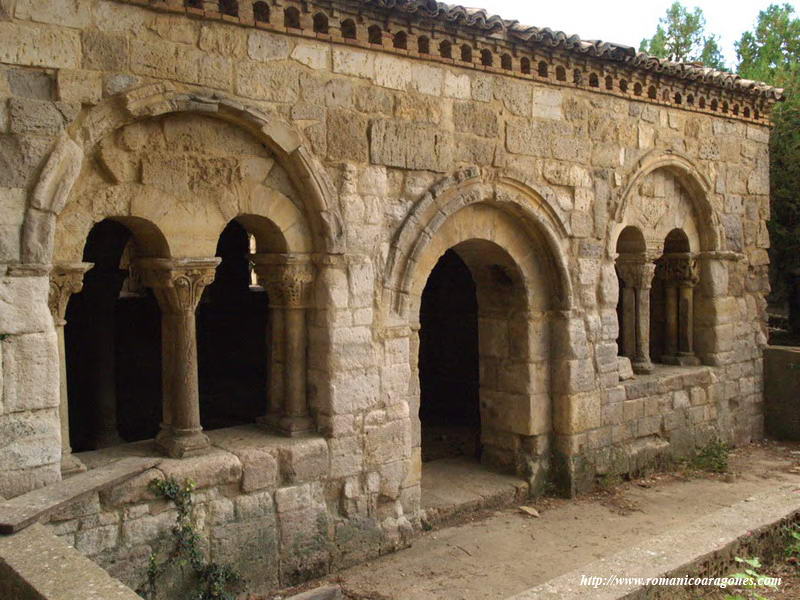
(27,509)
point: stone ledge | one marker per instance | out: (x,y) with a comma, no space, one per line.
(39,504)
(37,565)
(705,548)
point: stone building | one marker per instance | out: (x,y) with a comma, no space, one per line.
(310,248)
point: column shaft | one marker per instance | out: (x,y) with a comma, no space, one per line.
(671,321)
(178,285)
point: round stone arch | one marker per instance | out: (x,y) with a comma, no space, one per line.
(704,231)
(512,243)
(65,163)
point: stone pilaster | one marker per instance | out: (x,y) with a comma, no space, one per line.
(288,280)
(636,274)
(65,280)
(178,285)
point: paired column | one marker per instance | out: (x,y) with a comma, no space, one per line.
(287,279)
(681,277)
(65,280)
(636,274)
(178,285)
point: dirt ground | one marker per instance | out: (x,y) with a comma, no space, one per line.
(496,554)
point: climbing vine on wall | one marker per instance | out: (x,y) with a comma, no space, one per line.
(213,580)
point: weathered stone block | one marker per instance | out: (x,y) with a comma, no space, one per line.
(104,51)
(304,460)
(29,380)
(409,145)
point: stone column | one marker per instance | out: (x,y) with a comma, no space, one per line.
(637,275)
(670,355)
(685,273)
(178,285)
(287,279)
(65,280)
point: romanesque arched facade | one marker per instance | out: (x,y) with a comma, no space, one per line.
(305,254)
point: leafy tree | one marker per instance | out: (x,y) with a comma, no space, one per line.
(771,53)
(680,36)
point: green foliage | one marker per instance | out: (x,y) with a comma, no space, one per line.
(680,36)
(771,53)
(713,457)
(214,581)
(793,548)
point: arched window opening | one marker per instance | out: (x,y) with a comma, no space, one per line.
(113,347)
(594,80)
(678,98)
(261,12)
(690,100)
(651,92)
(321,23)
(229,8)
(702,102)
(543,70)
(232,333)
(735,109)
(348,27)
(714,105)
(577,77)
(466,53)
(446,49)
(291,18)
(375,35)
(609,82)
(637,89)
(487,58)
(561,73)
(400,40)
(672,303)
(747,112)
(525,65)
(506,63)
(631,267)
(623,85)
(724,107)
(423,45)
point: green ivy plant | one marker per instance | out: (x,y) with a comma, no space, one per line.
(213,580)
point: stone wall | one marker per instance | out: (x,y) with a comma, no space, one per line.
(371,164)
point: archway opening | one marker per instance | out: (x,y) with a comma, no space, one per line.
(449,363)
(113,346)
(232,337)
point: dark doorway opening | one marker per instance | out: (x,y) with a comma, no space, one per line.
(113,348)
(449,363)
(231,338)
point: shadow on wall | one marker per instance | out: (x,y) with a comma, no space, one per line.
(782,392)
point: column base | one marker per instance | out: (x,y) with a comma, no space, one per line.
(108,439)
(180,443)
(269,421)
(688,360)
(70,465)
(642,368)
(294,426)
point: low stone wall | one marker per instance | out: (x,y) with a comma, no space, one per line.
(35,565)
(782,392)
(278,509)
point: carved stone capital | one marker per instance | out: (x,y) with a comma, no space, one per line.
(177,283)
(636,273)
(681,268)
(65,280)
(287,278)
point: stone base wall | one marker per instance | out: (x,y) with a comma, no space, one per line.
(271,507)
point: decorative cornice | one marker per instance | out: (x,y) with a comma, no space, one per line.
(417,28)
